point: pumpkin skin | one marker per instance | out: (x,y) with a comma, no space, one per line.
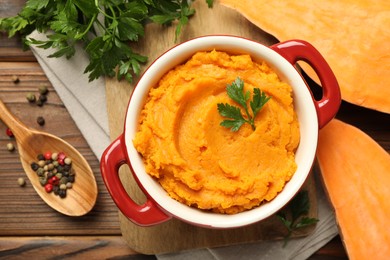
(353,36)
(356,175)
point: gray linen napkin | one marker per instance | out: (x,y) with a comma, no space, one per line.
(84,100)
(86,103)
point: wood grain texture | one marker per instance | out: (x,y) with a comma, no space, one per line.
(20,207)
(70,247)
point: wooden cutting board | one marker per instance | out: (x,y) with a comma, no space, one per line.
(174,235)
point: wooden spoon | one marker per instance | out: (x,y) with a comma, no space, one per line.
(82,197)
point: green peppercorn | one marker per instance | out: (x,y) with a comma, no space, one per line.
(54,157)
(43,90)
(30,97)
(42,181)
(59,175)
(41,163)
(50,166)
(63,186)
(10,147)
(21,182)
(40,120)
(68,161)
(64,180)
(40,171)
(15,79)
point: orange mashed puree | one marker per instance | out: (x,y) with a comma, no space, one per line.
(202,164)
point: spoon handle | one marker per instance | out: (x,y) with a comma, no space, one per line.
(17,127)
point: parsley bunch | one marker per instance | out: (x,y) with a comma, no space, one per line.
(104,27)
(236,92)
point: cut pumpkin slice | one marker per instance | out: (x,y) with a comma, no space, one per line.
(356,175)
(353,36)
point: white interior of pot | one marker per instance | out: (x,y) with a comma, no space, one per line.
(303,105)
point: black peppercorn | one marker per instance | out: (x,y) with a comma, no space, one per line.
(62,193)
(39,103)
(34,166)
(40,157)
(56,189)
(71,178)
(43,98)
(40,120)
(67,167)
(49,175)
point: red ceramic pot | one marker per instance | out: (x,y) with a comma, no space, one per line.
(312,116)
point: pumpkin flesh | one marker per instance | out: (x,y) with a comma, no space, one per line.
(353,37)
(356,175)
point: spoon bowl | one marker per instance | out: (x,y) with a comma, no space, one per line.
(82,197)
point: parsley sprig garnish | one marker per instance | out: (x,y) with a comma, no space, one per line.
(104,27)
(294,216)
(236,92)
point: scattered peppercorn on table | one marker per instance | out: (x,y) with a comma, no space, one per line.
(28,227)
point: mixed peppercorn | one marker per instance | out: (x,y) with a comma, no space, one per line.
(42,98)
(55,172)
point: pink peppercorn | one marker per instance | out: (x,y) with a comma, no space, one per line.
(47,155)
(61,155)
(9,132)
(48,187)
(61,161)
(61,158)
(53,180)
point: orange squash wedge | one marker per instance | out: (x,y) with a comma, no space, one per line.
(356,175)
(352,35)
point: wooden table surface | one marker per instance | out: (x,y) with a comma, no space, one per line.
(28,227)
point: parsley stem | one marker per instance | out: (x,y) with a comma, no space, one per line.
(79,36)
(102,11)
(113,12)
(251,120)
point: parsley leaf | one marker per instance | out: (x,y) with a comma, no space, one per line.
(103,27)
(232,112)
(298,208)
(259,100)
(236,92)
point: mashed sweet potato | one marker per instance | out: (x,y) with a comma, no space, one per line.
(202,164)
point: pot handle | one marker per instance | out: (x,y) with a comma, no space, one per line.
(329,104)
(112,159)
